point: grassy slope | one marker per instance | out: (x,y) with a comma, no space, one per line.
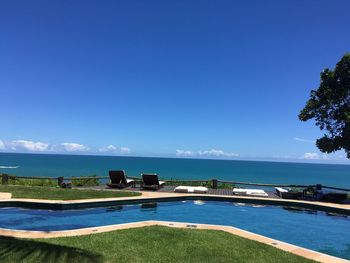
(148,244)
(39,192)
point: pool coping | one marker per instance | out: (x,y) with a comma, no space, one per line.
(296,250)
(147,196)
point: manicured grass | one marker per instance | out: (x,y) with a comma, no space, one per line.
(52,193)
(147,244)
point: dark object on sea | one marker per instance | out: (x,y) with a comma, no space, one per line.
(119,180)
(150,181)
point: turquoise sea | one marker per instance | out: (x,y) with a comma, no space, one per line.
(243,171)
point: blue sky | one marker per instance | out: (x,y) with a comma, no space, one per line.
(208,79)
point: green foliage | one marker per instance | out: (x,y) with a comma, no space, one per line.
(146,244)
(52,182)
(32,182)
(295,189)
(329,105)
(226,186)
(86,181)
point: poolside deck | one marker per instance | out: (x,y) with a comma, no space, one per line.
(170,189)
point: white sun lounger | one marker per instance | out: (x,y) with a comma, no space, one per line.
(191,189)
(250,192)
(281,191)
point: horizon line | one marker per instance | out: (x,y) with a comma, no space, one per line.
(244,159)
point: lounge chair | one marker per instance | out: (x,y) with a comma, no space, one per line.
(250,192)
(150,181)
(191,189)
(280,191)
(119,180)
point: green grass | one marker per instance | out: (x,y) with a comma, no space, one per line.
(147,244)
(52,193)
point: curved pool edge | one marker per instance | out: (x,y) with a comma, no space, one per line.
(297,250)
(159,197)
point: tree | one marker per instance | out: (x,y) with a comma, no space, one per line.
(329,105)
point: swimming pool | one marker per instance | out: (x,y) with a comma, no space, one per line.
(317,230)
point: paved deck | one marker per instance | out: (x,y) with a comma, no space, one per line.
(170,189)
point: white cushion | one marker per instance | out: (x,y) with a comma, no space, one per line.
(257,193)
(240,190)
(281,190)
(129,181)
(251,192)
(191,189)
(161,182)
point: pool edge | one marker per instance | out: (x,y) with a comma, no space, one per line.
(157,196)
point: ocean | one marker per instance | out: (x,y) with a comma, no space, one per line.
(171,168)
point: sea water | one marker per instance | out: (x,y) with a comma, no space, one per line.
(171,168)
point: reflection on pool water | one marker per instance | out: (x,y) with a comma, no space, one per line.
(316,230)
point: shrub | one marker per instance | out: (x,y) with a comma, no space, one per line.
(32,182)
(85,181)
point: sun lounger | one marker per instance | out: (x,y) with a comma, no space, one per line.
(250,192)
(255,192)
(150,181)
(191,189)
(280,191)
(119,180)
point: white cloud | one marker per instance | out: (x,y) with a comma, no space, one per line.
(29,146)
(2,145)
(310,156)
(325,157)
(314,156)
(217,153)
(109,148)
(32,146)
(205,153)
(303,140)
(74,147)
(125,150)
(113,149)
(184,153)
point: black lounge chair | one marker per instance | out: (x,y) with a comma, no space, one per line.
(119,180)
(150,181)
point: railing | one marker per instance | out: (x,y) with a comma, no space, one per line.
(214,183)
(266,185)
(5,178)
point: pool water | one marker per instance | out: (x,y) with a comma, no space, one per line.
(317,230)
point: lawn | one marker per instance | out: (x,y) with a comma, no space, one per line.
(147,244)
(39,192)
